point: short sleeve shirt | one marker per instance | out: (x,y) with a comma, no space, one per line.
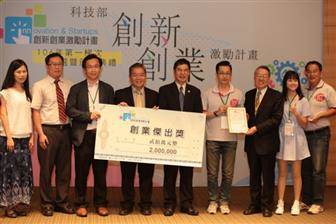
(321,98)
(45,99)
(211,100)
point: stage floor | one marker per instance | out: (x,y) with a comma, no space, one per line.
(240,200)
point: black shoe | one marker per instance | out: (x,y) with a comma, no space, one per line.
(168,212)
(252,210)
(189,211)
(267,213)
(125,211)
(21,209)
(21,213)
(10,213)
(146,211)
(66,208)
(47,210)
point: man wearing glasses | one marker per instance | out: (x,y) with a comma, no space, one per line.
(264,107)
(52,125)
(220,145)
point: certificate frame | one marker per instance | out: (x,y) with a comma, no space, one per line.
(237,120)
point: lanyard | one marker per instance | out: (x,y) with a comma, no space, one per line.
(289,106)
(93,100)
(226,99)
(316,88)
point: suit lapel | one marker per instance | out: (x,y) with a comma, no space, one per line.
(85,95)
(147,98)
(187,97)
(175,95)
(101,92)
(130,96)
(263,101)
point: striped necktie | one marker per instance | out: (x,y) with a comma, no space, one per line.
(181,98)
(60,103)
(257,101)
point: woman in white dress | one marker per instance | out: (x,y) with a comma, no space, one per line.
(293,142)
(16,141)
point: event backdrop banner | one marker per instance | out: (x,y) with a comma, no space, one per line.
(280,34)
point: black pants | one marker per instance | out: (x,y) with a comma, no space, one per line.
(169,186)
(57,154)
(84,157)
(146,172)
(261,179)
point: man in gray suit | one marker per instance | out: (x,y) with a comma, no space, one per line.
(81,107)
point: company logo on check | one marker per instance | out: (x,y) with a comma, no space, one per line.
(127,116)
(130,116)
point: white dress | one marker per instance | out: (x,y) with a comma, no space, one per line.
(294,147)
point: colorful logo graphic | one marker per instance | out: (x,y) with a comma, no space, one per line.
(131,116)
(19,29)
(126,116)
(279,68)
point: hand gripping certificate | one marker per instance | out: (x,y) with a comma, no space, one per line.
(150,136)
(237,120)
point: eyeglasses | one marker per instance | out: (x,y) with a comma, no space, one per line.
(261,76)
(56,64)
(222,73)
(93,67)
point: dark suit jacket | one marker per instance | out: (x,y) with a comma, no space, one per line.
(169,98)
(77,107)
(126,95)
(267,120)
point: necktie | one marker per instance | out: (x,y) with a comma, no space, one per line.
(138,99)
(257,101)
(181,98)
(60,103)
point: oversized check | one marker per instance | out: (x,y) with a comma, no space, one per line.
(150,136)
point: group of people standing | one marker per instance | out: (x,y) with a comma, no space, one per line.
(292,127)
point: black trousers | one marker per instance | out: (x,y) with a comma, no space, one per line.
(84,158)
(261,179)
(146,172)
(169,186)
(57,154)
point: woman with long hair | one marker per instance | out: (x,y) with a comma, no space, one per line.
(16,141)
(293,142)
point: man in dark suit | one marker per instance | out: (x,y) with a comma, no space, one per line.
(264,107)
(179,96)
(82,106)
(137,95)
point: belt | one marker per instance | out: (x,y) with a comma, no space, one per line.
(57,126)
(317,130)
(92,131)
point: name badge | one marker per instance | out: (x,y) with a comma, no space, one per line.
(289,129)
(224,122)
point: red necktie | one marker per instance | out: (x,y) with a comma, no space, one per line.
(60,102)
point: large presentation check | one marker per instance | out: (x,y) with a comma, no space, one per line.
(150,136)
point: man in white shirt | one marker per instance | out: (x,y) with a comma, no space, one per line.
(52,124)
(322,101)
(220,145)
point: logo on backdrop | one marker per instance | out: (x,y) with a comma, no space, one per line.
(19,29)
(279,68)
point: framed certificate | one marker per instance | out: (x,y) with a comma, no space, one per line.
(237,120)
